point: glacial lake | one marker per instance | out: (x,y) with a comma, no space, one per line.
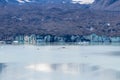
(60,62)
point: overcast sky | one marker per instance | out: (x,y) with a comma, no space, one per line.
(85,1)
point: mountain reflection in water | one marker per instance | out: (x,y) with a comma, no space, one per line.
(86,62)
(58,72)
(1,67)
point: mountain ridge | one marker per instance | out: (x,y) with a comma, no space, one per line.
(57,19)
(108,5)
(35,1)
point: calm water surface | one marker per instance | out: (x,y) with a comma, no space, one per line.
(60,62)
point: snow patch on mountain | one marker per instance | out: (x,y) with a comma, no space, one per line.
(23,1)
(83,1)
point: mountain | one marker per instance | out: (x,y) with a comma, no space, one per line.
(110,5)
(2,2)
(42,1)
(59,17)
(52,19)
(33,1)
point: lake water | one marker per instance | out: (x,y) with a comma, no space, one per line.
(60,62)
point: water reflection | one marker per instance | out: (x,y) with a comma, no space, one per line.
(64,68)
(115,53)
(58,72)
(95,62)
(110,53)
(1,67)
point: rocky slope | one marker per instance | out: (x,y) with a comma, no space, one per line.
(110,5)
(57,19)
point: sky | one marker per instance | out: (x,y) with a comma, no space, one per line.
(85,1)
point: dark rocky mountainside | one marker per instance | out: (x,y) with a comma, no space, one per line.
(110,5)
(57,19)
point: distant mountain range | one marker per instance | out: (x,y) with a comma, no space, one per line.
(58,17)
(6,2)
(109,5)
(34,1)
